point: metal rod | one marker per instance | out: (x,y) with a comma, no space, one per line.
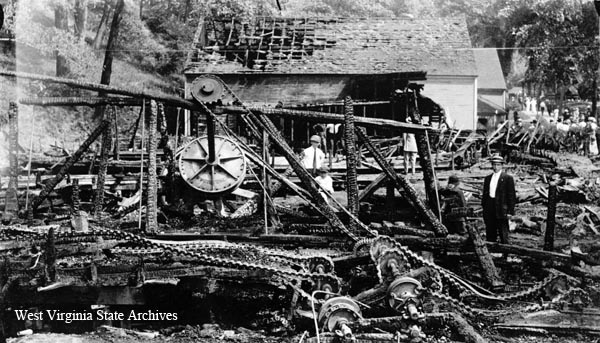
(210,130)
(264,175)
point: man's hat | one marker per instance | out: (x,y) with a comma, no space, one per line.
(323,169)
(453,179)
(496,158)
(315,138)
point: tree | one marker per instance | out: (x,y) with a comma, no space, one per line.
(61,23)
(80,14)
(552,43)
(102,26)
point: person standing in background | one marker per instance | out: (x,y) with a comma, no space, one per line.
(498,201)
(410,150)
(313,157)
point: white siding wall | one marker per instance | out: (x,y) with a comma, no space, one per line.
(457,95)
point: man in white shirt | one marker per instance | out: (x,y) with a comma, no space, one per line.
(498,201)
(326,183)
(313,157)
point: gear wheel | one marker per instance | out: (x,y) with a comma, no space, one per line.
(210,90)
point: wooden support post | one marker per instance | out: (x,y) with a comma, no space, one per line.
(403,185)
(487,264)
(264,123)
(551,219)
(351,160)
(103,166)
(424,155)
(68,164)
(11,207)
(152,207)
(75,196)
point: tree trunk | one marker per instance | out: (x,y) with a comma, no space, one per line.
(112,39)
(108,56)
(101,31)
(81,11)
(141,8)
(186,10)
(61,23)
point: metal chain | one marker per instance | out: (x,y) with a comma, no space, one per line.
(458,283)
(314,278)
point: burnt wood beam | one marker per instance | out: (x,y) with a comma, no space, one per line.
(404,186)
(351,160)
(151,202)
(485,259)
(172,100)
(551,218)
(330,118)
(48,187)
(91,101)
(424,155)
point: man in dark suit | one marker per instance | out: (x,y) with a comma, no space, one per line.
(498,201)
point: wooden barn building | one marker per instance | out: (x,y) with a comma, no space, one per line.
(315,63)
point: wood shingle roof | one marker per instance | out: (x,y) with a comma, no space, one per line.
(333,46)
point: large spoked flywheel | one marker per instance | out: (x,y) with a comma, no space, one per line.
(223,175)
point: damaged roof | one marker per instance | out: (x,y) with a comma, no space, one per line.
(332,46)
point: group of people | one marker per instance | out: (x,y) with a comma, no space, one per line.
(498,202)
(571,132)
(498,198)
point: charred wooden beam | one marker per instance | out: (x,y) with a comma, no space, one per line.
(331,118)
(529,252)
(103,165)
(91,101)
(152,207)
(404,186)
(75,196)
(11,207)
(351,159)
(372,187)
(48,187)
(167,99)
(424,156)
(551,219)
(485,260)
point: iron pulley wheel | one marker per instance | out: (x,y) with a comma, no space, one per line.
(217,177)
